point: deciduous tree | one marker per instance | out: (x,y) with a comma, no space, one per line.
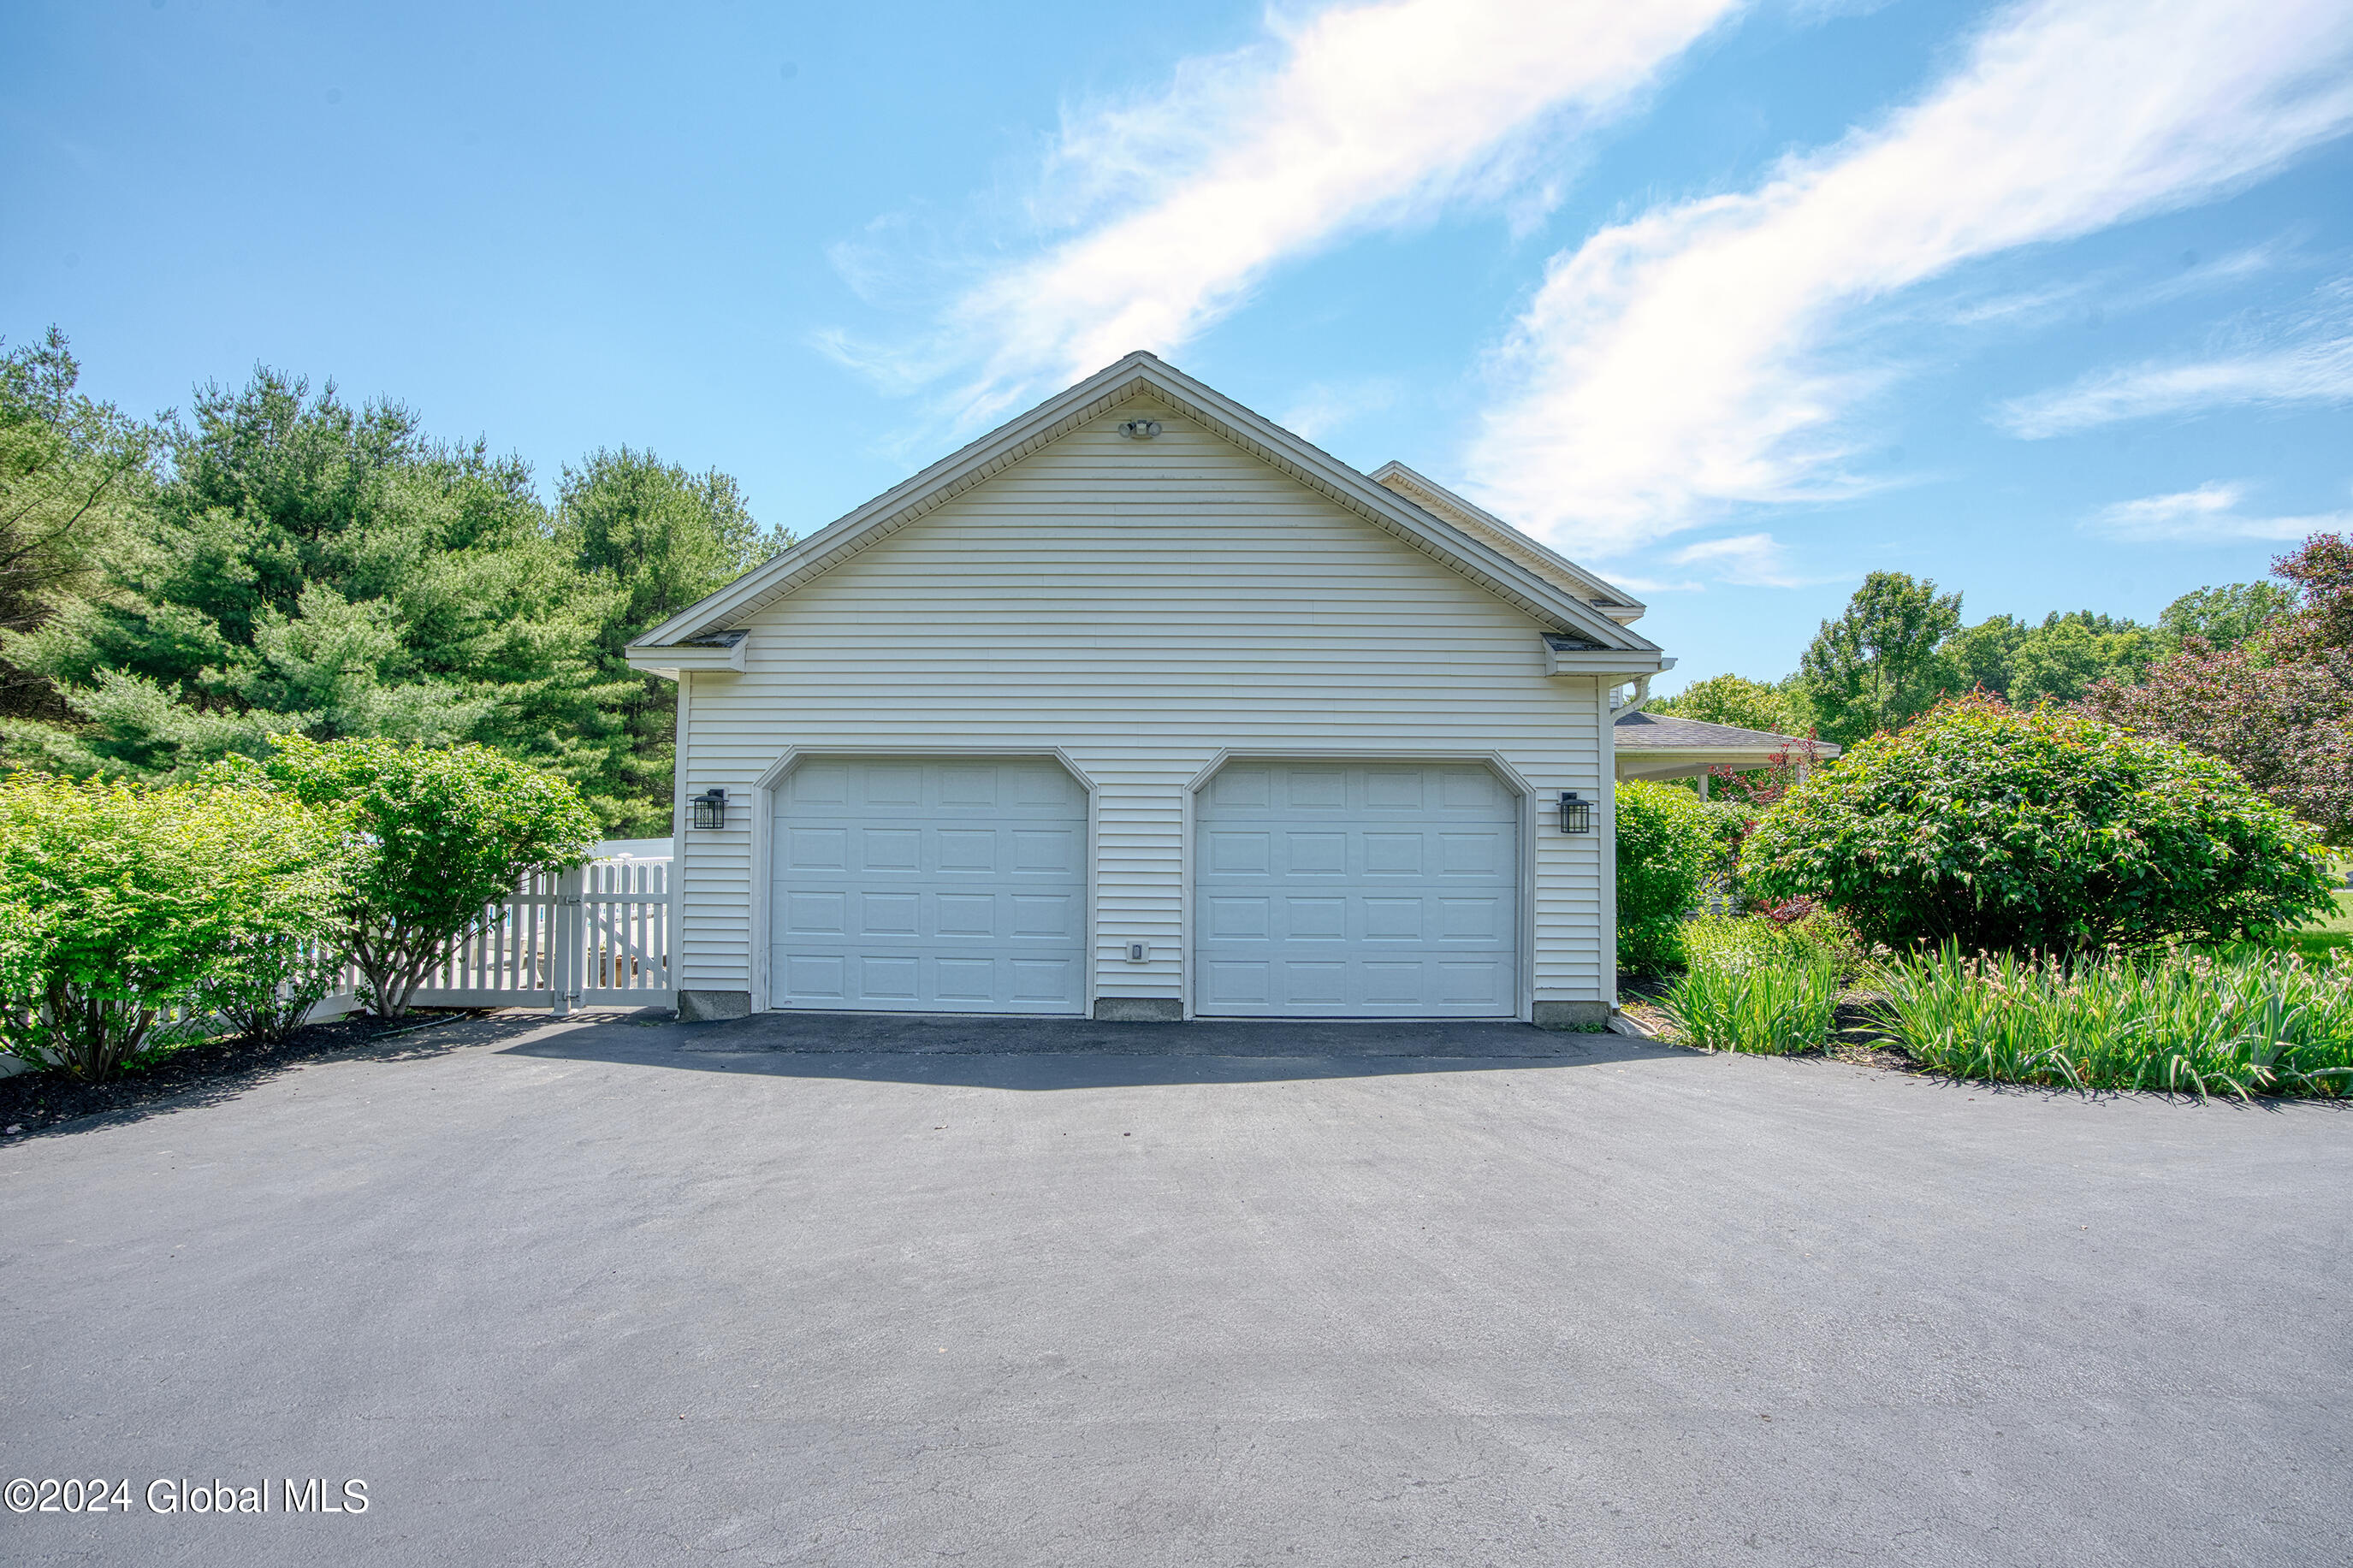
(2278,705)
(1882,662)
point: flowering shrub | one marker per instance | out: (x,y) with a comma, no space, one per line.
(120,903)
(2000,829)
(1666,842)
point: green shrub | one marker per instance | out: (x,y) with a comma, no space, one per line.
(1666,841)
(2241,1021)
(271,995)
(121,905)
(1819,937)
(444,833)
(1770,997)
(1728,823)
(1999,830)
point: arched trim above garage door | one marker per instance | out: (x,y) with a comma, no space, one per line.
(1195,913)
(771,785)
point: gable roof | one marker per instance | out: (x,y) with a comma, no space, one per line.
(1640,731)
(1483,524)
(1540,588)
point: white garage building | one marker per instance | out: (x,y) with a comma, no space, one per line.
(1143,708)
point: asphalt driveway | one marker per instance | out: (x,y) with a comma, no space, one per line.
(798,1292)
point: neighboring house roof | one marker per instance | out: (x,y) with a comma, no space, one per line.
(1642,732)
(1513,568)
(1432,497)
(1661,746)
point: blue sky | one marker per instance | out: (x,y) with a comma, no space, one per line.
(2052,303)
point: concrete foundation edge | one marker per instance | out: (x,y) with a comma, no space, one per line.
(1139,1010)
(1571,1016)
(710,1007)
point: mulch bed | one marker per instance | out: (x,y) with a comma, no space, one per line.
(31,1102)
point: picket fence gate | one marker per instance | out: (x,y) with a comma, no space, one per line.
(597,935)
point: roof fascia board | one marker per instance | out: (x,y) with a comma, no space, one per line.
(1456,548)
(1478,519)
(1626,662)
(668,659)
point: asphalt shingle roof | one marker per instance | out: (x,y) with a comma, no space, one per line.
(1643,731)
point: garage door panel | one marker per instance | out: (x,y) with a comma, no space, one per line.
(1315,920)
(816,914)
(966,980)
(817,849)
(968,894)
(1231,918)
(1315,854)
(1316,789)
(890,914)
(1461,983)
(1378,889)
(1480,855)
(1231,984)
(890,849)
(968,784)
(1240,854)
(817,975)
(964,915)
(1393,789)
(1472,919)
(1315,982)
(1043,916)
(1047,852)
(1243,786)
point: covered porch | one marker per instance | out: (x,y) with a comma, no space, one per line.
(1660,746)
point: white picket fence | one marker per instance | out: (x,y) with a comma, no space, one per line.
(598,935)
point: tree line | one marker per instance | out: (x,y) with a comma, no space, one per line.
(280,559)
(2258,674)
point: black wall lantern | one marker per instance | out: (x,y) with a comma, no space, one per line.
(1576,815)
(707,809)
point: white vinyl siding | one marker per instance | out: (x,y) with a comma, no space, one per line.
(1143,608)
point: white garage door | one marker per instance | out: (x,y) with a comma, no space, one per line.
(929,885)
(1357,891)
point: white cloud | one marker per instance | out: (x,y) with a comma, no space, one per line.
(1675,363)
(1654,585)
(1360,115)
(1748,560)
(2207,515)
(1327,406)
(2317,372)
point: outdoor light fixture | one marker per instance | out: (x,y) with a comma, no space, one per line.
(1140,429)
(1576,815)
(707,809)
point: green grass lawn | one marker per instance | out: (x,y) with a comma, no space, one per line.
(2334,931)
